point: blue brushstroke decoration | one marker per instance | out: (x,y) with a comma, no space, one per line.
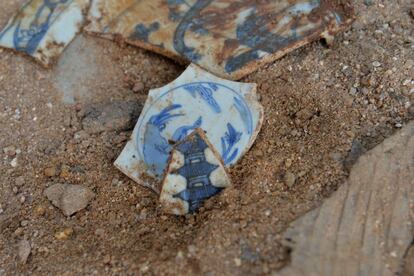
(254,32)
(156,147)
(189,22)
(245,114)
(205,91)
(228,141)
(183,131)
(27,38)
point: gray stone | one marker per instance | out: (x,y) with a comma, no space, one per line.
(369,2)
(290,179)
(110,116)
(24,250)
(69,198)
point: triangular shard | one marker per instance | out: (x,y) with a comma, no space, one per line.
(195,172)
(43,28)
(228,38)
(228,111)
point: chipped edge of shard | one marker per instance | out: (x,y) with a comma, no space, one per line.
(52,42)
(137,171)
(180,206)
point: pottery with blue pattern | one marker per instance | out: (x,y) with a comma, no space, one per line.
(43,28)
(228,38)
(227,111)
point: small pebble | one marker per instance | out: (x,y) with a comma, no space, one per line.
(65,234)
(65,171)
(24,249)
(40,211)
(24,223)
(237,261)
(13,163)
(259,153)
(290,179)
(411,110)
(19,181)
(15,190)
(22,199)
(50,172)
(18,231)
(10,151)
(107,259)
(100,232)
(288,163)
(368,2)
(376,64)
(138,87)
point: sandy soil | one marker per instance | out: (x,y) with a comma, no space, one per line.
(323,106)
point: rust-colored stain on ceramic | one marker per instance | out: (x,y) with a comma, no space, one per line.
(226,37)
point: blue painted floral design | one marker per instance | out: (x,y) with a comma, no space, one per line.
(205,91)
(142,32)
(228,142)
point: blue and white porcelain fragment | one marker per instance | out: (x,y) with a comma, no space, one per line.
(195,172)
(43,28)
(226,37)
(227,111)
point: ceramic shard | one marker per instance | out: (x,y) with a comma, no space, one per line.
(195,172)
(43,28)
(226,37)
(227,111)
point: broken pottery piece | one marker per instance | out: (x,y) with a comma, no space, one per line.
(226,37)
(228,111)
(43,28)
(195,172)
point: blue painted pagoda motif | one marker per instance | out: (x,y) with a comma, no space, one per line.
(196,171)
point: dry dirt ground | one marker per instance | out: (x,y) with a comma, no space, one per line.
(323,108)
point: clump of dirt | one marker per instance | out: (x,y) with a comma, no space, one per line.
(320,103)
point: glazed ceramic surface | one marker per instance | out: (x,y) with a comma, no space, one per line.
(228,111)
(226,37)
(43,28)
(194,174)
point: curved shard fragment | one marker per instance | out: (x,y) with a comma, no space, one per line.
(228,111)
(228,38)
(43,28)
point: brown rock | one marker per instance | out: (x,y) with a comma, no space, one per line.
(39,211)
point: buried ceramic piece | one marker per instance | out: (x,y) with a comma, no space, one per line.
(43,28)
(227,111)
(226,37)
(195,172)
